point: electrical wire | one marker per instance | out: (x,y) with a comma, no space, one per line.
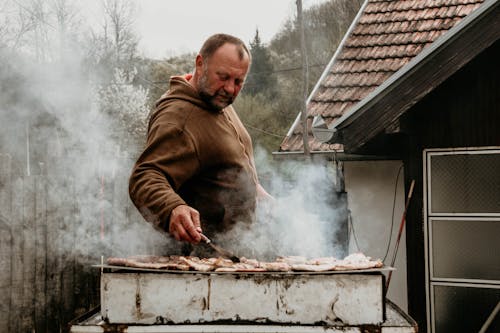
(393,209)
(263,131)
(152,83)
(349,221)
(351,224)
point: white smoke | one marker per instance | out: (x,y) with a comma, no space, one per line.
(57,135)
(302,219)
(58,128)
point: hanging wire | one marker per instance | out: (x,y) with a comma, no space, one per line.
(349,221)
(263,131)
(351,224)
(393,209)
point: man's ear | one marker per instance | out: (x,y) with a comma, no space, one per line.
(199,62)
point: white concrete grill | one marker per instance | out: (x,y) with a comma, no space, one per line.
(332,298)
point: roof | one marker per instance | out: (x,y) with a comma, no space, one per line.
(384,37)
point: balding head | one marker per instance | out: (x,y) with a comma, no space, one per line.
(214,42)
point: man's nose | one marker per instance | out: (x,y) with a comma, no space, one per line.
(230,87)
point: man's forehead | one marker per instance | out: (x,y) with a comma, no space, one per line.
(231,52)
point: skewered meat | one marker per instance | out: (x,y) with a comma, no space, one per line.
(292,260)
(282,264)
(154,262)
(241,267)
(199,265)
(253,262)
(275,266)
(322,261)
(314,268)
(358,261)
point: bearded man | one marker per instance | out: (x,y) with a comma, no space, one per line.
(197,171)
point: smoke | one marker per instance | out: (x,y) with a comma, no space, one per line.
(55,129)
(303,218)
(68,164)
(69,156)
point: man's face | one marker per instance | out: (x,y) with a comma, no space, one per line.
(221,76)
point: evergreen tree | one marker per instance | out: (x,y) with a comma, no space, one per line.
(261,79)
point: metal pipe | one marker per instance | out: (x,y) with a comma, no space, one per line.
(492,316)
(401,226)
(305,78)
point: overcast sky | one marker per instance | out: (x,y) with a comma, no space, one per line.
(172,27)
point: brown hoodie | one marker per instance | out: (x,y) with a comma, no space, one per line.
(195,156)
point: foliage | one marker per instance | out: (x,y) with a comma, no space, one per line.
(160,71)
(325,25)
(113,44)
(259,116)
(52,32)
(261,78)
(126,104)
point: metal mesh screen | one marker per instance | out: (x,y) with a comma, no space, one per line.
(465,183)
(466,249)
(459,309)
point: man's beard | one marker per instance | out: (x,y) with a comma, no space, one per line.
(211,99)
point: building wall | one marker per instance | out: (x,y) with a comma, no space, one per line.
(370,187)
(462,112)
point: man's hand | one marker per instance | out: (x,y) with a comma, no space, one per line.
(185,224)
(262,194)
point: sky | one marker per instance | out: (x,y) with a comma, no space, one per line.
(172,27)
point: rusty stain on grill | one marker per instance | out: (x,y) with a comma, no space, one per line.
(138,299)
(332,307)
(209,282)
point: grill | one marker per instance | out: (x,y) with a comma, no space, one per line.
(148,300)
(157,297)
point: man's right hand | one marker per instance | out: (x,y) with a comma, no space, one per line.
(185,224)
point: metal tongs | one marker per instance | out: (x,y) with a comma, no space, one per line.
(222,252)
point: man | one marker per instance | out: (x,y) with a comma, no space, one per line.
(197,171)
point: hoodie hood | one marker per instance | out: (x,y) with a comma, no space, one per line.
(181,89)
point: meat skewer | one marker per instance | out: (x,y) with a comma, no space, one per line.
(353,261)
(224,253)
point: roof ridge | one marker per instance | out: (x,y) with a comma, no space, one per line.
(398,32)
(360,72)
(351,86)
(387,44)
(431,5)
(416,19)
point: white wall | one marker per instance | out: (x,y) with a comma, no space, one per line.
(370,187)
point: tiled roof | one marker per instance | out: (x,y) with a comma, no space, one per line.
(387,35)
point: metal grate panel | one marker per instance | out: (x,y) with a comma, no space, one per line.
(465,249)
(462,229)
(462,309)
(465,183)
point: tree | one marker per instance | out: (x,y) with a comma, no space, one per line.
(42,30)
(160,71)
(127,106)
(278,65)
(115,44)
(261,79)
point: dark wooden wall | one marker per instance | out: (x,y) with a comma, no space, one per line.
(464,111)
(50,235)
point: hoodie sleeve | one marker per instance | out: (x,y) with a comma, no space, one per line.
(168,160)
